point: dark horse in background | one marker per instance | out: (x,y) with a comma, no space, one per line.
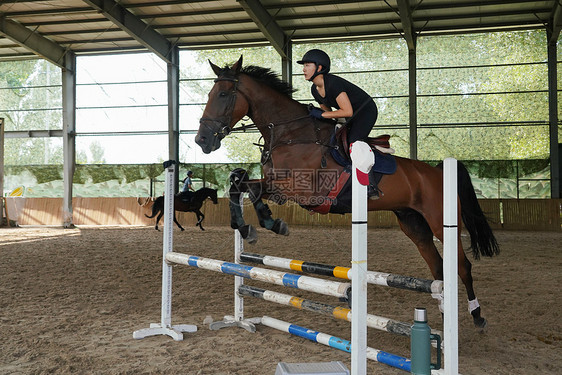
(194,205)
(293,142)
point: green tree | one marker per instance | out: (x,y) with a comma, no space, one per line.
(525,142)
(473,78)
(31,100)
(97,152)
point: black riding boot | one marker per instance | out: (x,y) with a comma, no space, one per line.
(373,192)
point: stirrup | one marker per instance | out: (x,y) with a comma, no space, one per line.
(372,192)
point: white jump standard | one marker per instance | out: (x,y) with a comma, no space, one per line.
(165,326)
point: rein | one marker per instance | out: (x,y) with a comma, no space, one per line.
(266,154)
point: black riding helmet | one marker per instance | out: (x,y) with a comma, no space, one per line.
(317,57)
(189,173)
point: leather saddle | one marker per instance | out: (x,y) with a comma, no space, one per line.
(385,163)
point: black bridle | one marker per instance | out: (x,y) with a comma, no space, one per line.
(224,124)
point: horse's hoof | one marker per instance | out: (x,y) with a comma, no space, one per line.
(481,324)
(280,227)
(182,229)
(251,234)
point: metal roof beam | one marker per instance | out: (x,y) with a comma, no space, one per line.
(43,12)
(267,25)
(225,31)
(555,23)
(404,9)
(474,4)
(32,41)
(137,29)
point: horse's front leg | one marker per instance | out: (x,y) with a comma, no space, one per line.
(263,212)
(200,218)
(240,183)
(177,223)
(238,186)
(247,231)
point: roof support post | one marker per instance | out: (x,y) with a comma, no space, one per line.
(287,63)
(413,103)
(405,12)
(553,116)
(174,110)
(69,134)
(409,35)
(555,23)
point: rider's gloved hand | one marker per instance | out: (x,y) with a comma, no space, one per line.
(315,112)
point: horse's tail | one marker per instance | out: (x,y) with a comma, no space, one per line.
(482,239)
(144,201)
(156,207)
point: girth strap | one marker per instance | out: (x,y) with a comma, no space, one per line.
(324,208)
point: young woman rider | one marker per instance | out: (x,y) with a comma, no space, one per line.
(350,101)
(330,91)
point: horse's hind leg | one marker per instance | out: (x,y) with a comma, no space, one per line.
(416,228)
(158,219)
(414,225)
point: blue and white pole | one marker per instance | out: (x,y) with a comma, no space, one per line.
(310,284)
(337,343)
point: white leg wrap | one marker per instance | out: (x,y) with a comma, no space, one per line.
(473,305)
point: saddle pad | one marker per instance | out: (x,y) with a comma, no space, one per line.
(384,163)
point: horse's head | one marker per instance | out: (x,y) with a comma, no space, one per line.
(213,195)
(223,109)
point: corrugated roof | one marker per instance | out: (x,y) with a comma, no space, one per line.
(48,28)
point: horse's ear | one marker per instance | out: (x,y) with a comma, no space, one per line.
(238,65)
(215,68)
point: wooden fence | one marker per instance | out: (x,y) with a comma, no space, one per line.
(511,214)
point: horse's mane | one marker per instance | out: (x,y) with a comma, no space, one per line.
(268,77)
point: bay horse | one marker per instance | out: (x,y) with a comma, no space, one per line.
(179,205)
(295,143)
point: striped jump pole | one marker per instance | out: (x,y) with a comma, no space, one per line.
(337,343)
(310,284)
(342,313)
(373,277)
